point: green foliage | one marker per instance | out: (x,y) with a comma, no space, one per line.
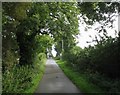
(106,84)
(65,24)
(102,58)
(10,53)
(80,80)
(16,10)
(92,12)
(100,63)
(58,19)
(29,29)
(21,79)
(71,55)
(17,80)
(44,42)
(32,28)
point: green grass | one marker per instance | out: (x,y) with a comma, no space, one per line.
(24,79)
(80,80)
(36,79)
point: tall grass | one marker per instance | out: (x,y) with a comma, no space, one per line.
(23,79)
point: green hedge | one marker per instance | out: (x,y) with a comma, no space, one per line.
(24,79)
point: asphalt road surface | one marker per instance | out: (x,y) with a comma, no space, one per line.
(55,81)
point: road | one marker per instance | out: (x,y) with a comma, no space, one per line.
(55,81)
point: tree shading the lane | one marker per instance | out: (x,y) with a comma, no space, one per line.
(99,63)
(30,29)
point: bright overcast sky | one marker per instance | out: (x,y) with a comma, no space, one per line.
(85,35)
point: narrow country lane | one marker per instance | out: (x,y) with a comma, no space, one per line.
(55,81)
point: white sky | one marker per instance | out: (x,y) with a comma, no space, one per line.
(53,51)
(84,36)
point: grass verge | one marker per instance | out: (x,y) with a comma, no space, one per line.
(37,78)
(24,79)
(80,80)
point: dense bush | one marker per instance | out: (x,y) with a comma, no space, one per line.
(71,56)
(102,58)
(20,78)
(105,83)
(100,63)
